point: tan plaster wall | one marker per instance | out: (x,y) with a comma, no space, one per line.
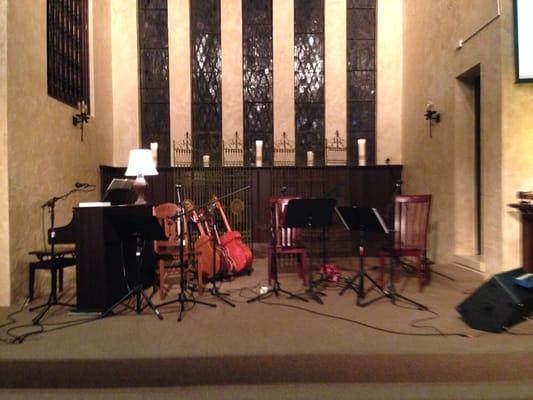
(517,142)
(428,75)
(283,38)
(5,287)
(335,55)
(389,65)
(46,155)
(231,54)
(180,70)
(482,49)
(125,69)
(437,165)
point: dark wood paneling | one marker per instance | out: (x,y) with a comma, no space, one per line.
(371,186)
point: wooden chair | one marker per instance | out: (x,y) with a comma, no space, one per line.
(285,241)
(411,220)
(167,252)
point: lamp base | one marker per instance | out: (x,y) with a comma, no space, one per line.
(139,185)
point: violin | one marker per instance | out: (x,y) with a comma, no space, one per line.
(238,251)
(203,245)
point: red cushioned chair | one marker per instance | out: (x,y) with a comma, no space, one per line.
(411,220)
(287,241)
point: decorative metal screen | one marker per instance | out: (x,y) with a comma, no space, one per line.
(361,77)
(206,70)
(230,185)
(67,51)
(309,79)
(257,78)
(153,52)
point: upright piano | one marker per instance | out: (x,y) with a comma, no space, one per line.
(106,262)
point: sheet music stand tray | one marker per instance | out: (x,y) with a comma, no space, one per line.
(367,219)
(142,227)
(310,213)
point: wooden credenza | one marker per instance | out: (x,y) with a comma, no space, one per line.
(105,259)
(368,186)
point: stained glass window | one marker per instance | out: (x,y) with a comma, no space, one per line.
(257,78)
(206,70)
(154,76)
(309,78)
(67,51)
(361,77)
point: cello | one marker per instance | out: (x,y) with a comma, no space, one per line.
(203,245)
(231,240)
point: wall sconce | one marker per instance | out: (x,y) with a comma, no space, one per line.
(82,117)
(431,115)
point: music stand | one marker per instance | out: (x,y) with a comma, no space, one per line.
(119,191)
(310,213)
(142,227)
(366,219)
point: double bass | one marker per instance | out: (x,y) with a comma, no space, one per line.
(238,251)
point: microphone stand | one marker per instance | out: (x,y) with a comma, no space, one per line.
(214,290)
(52,297)
(182,296)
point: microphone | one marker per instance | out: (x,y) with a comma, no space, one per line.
(178,193)
(79,185)
(284,190)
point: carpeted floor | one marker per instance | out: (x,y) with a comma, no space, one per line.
(279,345)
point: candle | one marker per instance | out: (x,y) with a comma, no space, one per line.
(258,153)
(310,159)
(361,151)
(205,159)
(153,147)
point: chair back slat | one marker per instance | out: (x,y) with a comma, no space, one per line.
(164,213)
(411,221)
(285,237)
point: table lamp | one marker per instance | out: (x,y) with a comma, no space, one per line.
(140,164)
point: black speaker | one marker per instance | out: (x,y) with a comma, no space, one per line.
(498,303)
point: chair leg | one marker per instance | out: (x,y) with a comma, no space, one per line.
(32,280)
(162,292)
(305,270)
(269,267)
(421,273)
(60,278)
(381,278)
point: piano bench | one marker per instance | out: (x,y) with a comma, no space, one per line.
(64,258)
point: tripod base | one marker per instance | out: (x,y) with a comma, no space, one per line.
(52,301)
(139,294)
(315,295)
(276,289)
(350,284)
(181,300)
(390,293)
(214,291)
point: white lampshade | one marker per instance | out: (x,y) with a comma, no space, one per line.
(141,163)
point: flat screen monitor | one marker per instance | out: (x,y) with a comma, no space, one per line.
(523,40)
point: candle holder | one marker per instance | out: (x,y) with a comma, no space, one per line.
(82,117)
